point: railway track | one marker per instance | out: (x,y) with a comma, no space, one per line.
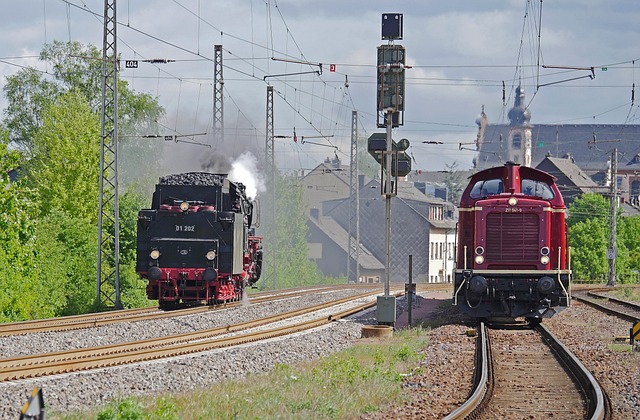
(149,313)
(131,315)
(113,355)
(527,373)
(628,311)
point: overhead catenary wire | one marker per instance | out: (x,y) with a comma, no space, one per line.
(312,93)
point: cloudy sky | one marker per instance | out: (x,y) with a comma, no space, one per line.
(461,53)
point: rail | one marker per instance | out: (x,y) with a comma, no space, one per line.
(93,320)
(481,381)
(632,317)
(123,353)
(598,405)
(595,396)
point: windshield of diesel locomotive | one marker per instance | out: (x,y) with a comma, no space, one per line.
(537,189)
(486,187)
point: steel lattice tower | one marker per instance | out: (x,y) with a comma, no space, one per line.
(218,101)
(108,277)
(270,170)
(353,265)
(269,158)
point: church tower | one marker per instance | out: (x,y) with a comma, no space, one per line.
(482,121)
(518,147)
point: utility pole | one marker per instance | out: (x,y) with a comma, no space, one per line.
(218,97)
(353,263)
(389,192)
(270,170)
(612,252)
(108,273)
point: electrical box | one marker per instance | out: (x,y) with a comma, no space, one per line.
(386,310)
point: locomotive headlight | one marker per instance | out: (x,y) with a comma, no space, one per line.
(544,260)
(211,255)
(512,201)
(155,254)
(544,250)
(184,206)
(479,259)
(479,250)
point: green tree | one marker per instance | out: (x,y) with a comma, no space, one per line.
(28,94)
(78,68)
(293,268)
(589,231)
(589,240)
(66,255)
(629,240)
(587,207)
(132,288)
(454,182)
(17,238)
(64,172)
(55,124)
(65,164)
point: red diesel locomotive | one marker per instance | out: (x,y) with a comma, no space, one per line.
(512,252)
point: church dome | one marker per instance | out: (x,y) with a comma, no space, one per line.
(519,114)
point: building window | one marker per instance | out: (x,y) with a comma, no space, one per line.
(516,141)
(436,213)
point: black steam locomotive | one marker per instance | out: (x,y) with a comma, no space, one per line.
(195,245)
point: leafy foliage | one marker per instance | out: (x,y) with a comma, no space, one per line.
(287,239)
(17,240)
(629,248)
(588,241)
(589,232)
(65,167)
(588,207)
(454,182)
(48,218)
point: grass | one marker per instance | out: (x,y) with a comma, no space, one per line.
(627,293)
(361,379)
(620,347)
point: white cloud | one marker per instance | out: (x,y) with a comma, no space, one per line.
(471,47)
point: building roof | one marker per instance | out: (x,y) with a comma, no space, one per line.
(339,171)
(589,145)
(629,210)
(572,172)
(570,179)
(406,191)
(339,236)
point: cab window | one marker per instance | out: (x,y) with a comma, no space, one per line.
(537,189)
(486,188)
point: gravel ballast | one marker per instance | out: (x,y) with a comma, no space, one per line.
(442,386)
